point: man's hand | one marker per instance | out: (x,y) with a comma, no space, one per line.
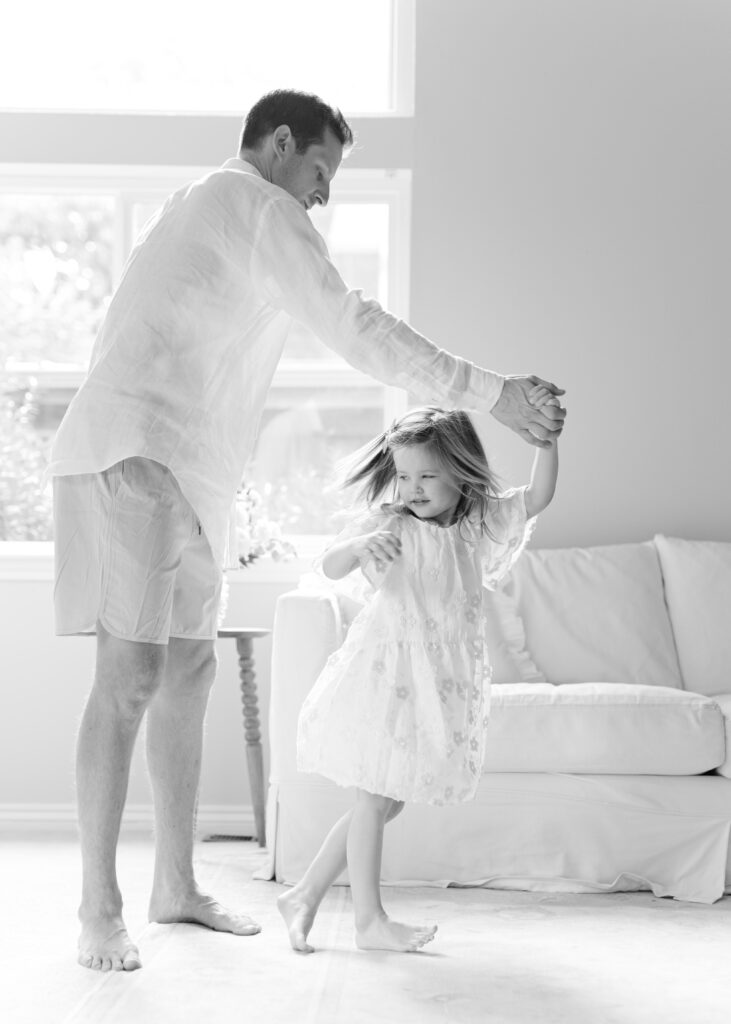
(524,405)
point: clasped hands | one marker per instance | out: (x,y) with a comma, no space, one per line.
(530,407)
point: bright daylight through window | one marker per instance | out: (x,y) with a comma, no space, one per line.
(65,230)
(136,56)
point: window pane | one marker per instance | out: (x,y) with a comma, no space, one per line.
(166,57)
(308,427)
(304,431)
(56,264)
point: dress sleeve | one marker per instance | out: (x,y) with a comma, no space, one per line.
(511,530)
(293,271)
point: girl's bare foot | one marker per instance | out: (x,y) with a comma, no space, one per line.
(196,907)
(104,945)
(299,916)
(383,933)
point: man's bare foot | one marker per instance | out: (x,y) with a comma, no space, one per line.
(104,945)
(299,916)
(383,933)
(196,907)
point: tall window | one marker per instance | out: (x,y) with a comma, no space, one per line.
(66,228)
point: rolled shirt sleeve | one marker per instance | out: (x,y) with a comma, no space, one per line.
(292,267)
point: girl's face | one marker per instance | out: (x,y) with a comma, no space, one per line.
(424,485)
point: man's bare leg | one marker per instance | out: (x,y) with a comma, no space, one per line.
(174,746)
(126,677)
(374,929)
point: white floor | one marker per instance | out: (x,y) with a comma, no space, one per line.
(502,957)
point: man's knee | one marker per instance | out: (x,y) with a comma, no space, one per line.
(128,673)
(192,662)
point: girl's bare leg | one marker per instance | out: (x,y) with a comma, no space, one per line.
(298,905)
(374,929)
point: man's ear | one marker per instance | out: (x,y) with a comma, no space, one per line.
(282,142)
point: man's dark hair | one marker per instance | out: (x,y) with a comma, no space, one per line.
(306,115)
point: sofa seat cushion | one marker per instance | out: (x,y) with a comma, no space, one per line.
(603,728)
(724,702)
(596,614)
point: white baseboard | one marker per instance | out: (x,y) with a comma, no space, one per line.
(212,819)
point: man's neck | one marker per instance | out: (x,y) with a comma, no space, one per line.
(258,160)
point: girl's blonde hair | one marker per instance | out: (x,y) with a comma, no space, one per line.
(453,439)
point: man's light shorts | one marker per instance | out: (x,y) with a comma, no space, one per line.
(130,553)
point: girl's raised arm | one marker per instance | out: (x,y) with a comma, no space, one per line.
(542,484)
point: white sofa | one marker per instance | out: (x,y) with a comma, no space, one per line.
(609,754)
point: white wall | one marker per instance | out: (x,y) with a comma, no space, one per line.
(570,217)
(45,680)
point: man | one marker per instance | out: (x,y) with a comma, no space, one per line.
(152,449)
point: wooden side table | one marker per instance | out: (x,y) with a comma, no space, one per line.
(244,637)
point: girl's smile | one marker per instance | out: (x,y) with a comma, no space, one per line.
(424,485)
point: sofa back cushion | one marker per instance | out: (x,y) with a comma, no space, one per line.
(697,578)
(508,654)
(596,614)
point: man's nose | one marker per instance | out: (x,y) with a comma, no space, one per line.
(324,193)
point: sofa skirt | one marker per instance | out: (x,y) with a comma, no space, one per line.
(541,832)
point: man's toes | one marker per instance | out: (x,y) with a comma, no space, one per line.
(246,926)
(85,959)
(131,961)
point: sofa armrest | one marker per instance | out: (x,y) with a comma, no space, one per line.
(724,702)
(307,629)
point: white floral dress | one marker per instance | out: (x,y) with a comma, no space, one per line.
(401,708)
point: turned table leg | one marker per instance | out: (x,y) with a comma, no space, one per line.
(254,753)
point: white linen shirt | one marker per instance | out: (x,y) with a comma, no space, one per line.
(182,364)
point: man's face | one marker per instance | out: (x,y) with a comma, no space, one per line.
(307,176)
(424,485)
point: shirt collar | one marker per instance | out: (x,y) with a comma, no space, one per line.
(237,164)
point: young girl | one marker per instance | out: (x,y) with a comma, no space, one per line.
(399,711)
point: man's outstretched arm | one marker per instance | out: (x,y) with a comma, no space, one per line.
(295,274)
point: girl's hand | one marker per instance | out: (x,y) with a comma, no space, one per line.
(381,545)
(540,396)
